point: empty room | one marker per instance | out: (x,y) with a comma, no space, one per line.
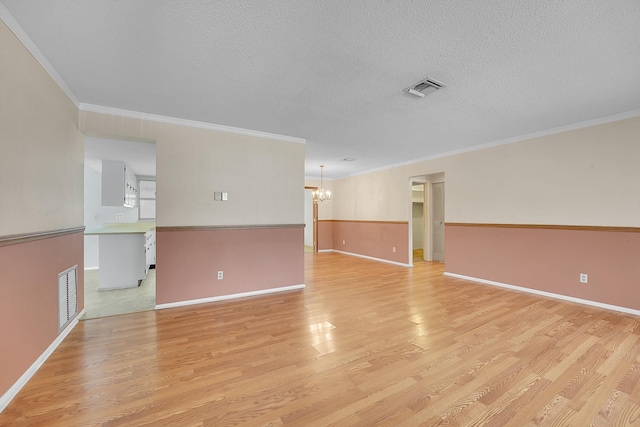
(340,213)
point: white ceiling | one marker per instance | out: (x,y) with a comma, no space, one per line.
(333,71)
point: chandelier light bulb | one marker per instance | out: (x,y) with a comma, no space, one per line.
(321,195)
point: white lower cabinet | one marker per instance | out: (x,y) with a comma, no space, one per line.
(122,260)
(150,249)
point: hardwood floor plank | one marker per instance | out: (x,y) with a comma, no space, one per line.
(365,344)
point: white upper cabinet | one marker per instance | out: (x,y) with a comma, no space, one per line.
(119,184)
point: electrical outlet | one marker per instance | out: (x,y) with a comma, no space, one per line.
(394,249)
(220,275)
(584,278)
(343,242)
(119,216)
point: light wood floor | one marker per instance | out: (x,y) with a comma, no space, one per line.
(364,344)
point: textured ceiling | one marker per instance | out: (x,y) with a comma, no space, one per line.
(333,71)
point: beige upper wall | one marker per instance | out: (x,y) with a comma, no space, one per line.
(41,149)
(264,177)
(588,176)
(382,195)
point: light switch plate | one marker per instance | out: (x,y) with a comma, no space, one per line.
(217,195)
(225,197)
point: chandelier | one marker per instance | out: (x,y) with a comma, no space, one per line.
(320,194)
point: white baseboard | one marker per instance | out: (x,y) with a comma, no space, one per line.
(325,250)
(228,297)
(372,258)
(22,381)
(547,294)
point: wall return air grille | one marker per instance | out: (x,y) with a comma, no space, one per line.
(67,296)
(424,87)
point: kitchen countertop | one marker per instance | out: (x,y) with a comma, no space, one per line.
(122,228)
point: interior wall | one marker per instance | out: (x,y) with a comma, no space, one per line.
(375,196)
(586,177)
(549,179)
(264,179)
(41,150)
(382,240)
(189,260)
(41,188)
(550,260)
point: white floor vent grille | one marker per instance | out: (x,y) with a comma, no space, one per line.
(67,296)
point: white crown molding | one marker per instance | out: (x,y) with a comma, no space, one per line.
(6,398)
(552,131)
(24,38)
(184,122)
(228,297)
(546,294)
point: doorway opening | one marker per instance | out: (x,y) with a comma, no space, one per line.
(418,220)
(427,217)
(119,218)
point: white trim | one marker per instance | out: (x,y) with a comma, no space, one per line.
(228,297)
(325,250)
(28,43)
(547,294)
(374,259)
(184,122)
(91,268)
(552,131)
(22,381)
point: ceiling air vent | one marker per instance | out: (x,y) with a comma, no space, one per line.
(424,87)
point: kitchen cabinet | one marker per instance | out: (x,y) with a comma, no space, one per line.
(150,249)
(122,260)
(119,184)
(124,255)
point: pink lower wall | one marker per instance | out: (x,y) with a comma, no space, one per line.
(29,299)
(550,260)
(252,259)
(373,238)
(325,235)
